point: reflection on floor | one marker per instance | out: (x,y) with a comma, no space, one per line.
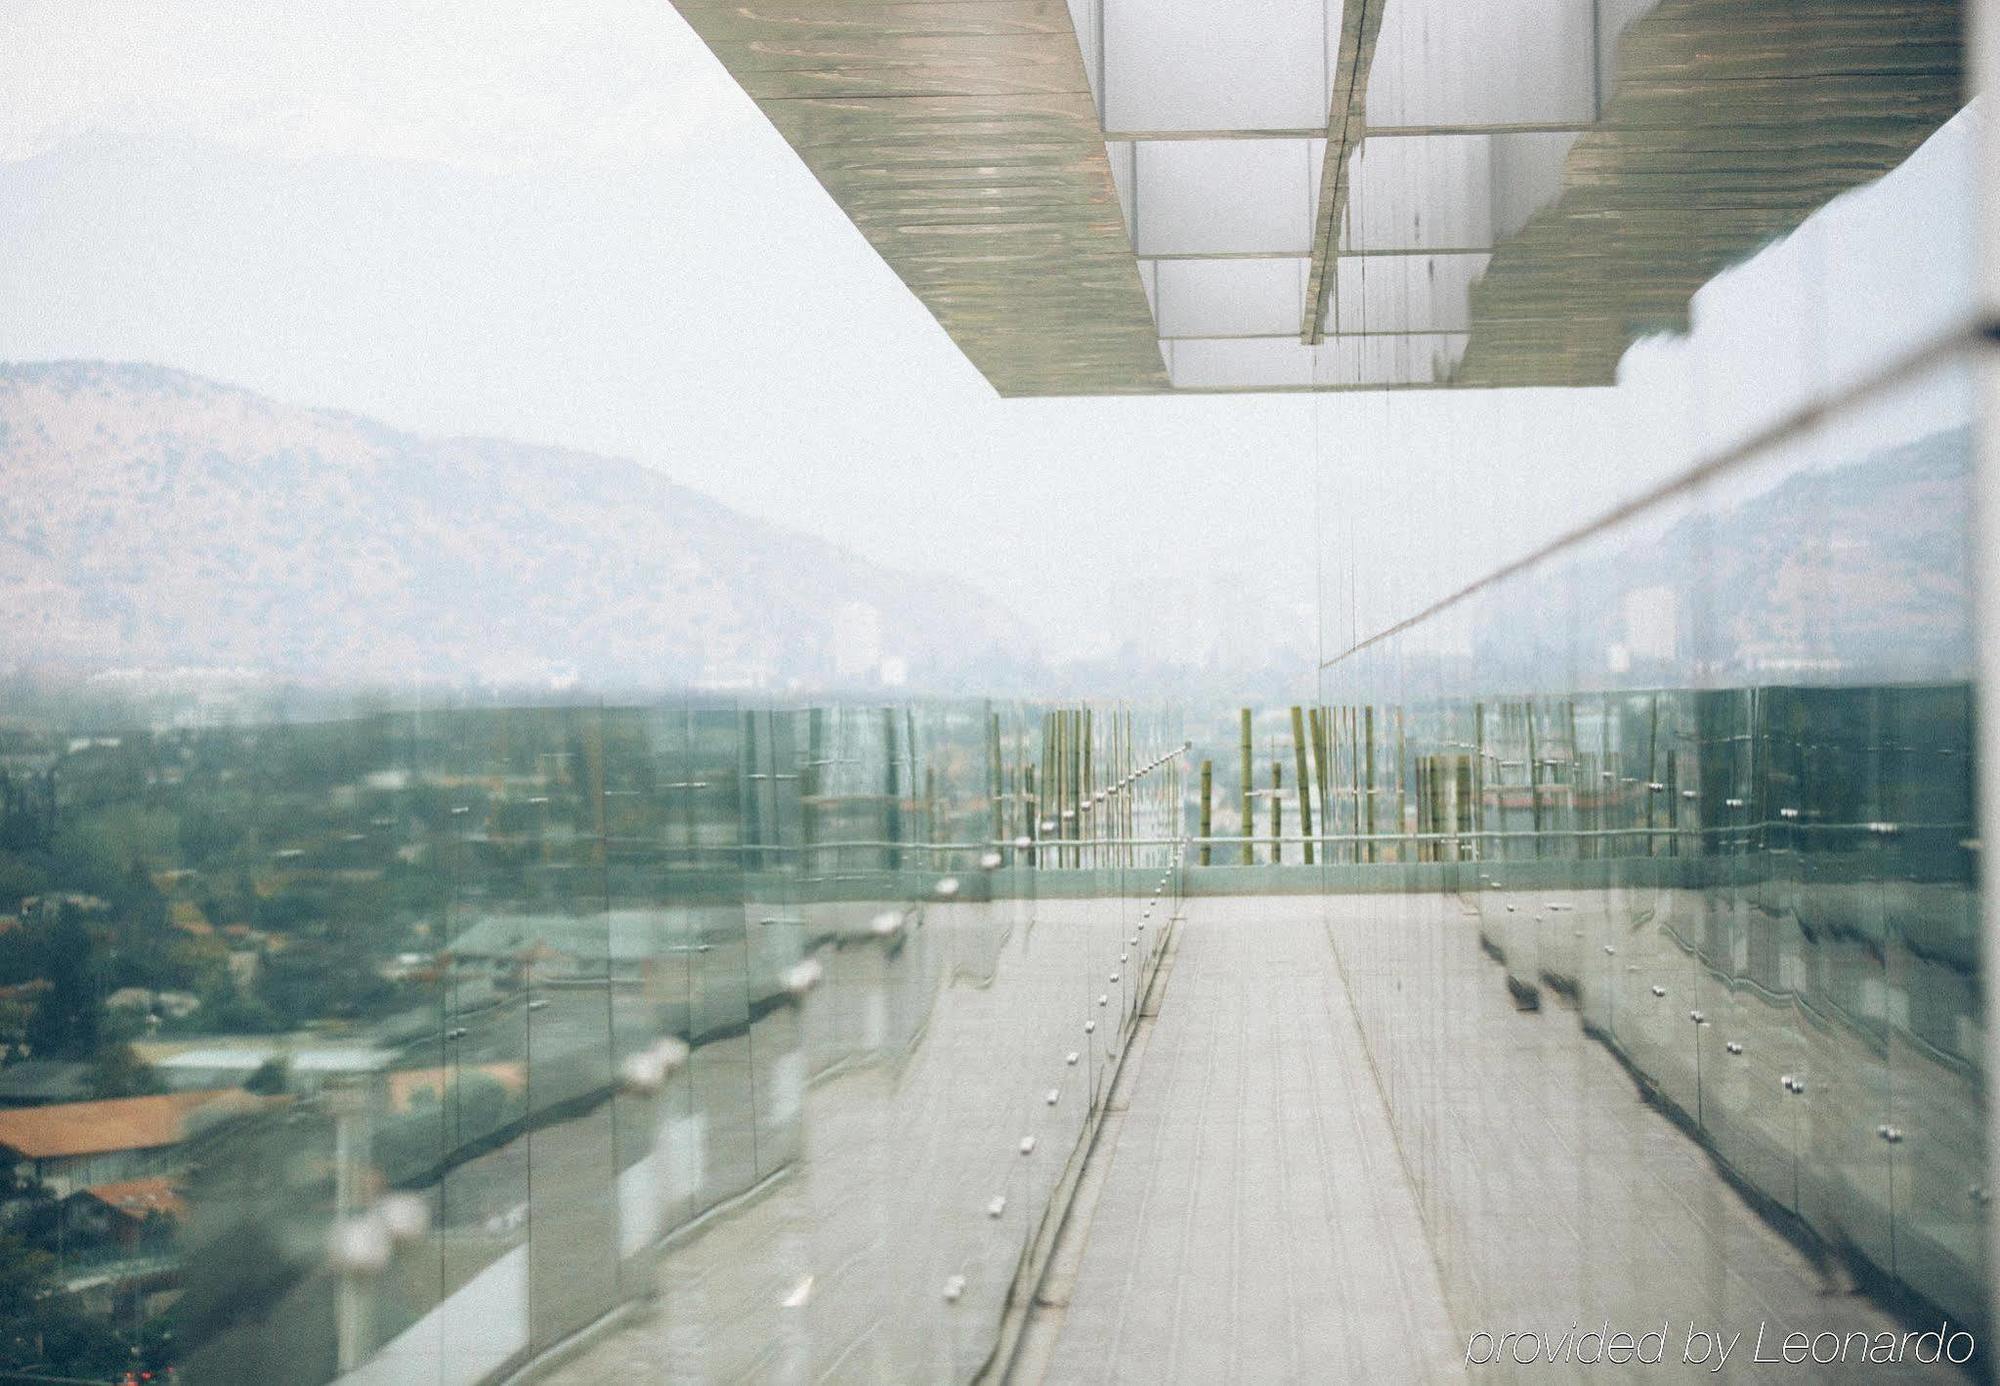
(1257,1225)
(1249,1216)
(1254,1224)
(885,1251)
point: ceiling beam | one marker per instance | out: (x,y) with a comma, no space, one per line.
(1360,26)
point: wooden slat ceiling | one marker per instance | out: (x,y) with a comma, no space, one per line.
(1731,123)
(961,137)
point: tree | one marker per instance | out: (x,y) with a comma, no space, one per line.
(65,1024)
(271,1077)
(208,835)
(119,1072)
(481,1105)
(19,877)
(83,857)
(226,1010)
(44,1329)
(26,1277)
(138,903)
(315,979)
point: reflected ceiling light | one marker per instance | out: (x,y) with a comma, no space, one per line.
(406,1216)
(803,976)
(645,1073)
(359,1245)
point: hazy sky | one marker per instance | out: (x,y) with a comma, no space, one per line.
(564,223)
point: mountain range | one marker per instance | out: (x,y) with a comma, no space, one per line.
(151,519)
(1840,569)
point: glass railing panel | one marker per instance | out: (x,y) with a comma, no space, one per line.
(1720,804)
(751,1016)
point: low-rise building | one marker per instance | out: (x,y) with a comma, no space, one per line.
(43,1082)
(39,909)
(221,1063)
(77,1145)
(124,1217)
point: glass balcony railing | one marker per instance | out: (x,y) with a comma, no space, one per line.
(1703,777)
(457,1030)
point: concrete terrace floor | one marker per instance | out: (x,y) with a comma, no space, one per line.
(1250,1221)
(1247,1217)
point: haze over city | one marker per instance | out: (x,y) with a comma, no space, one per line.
(568,226)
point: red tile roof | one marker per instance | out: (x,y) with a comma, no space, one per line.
(97,1128)
(137,1197)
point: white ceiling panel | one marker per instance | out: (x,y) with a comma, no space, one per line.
(1229,298)
(1245,65)
(1493,62)
(1403,293)
(1419,193)
(1233,196)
